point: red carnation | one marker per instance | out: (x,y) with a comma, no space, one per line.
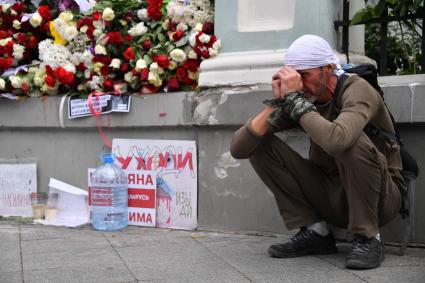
(173,84)
(3,34)
(104,70)
(50,81)
(147,44)
(208,28)
(5,63)
(18,7)
(96,15)
(154,9)
(25,87)
(124,67)
(172,26)
(162,61)
(32,42)
(144,74)
(128,38)
(108,85)
(63,75)
(178,35)
(181,73)
(114,37)
(20,38)
(205,54)
(81,67)
(44,12)
(129,54)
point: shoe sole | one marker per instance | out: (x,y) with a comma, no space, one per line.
(278,254)
(357,264)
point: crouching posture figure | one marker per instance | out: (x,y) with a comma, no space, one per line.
(351,180)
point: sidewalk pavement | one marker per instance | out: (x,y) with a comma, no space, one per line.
(36,253)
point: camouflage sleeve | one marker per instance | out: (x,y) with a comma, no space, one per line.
(291,107)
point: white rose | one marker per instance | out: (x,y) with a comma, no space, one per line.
(192,54)
(66,16)
(165,24)
(100,50)
(69,67)
(36,19)
(123,22)
(154,79)
(97,32)
(128,77)
(142,14)
(140,64)
(108,14)
(205,38)
(138,29)
(198,27)
(172,65)
(212,52)
(15,81)
(2,84)
(154,67)
(115,63)
(16,24)
(178,55)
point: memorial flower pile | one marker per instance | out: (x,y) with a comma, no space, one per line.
(116,46)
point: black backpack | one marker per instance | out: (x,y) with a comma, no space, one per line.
(369,73)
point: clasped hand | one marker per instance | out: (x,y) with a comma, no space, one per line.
(286,80)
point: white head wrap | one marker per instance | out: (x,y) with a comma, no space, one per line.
(310,51)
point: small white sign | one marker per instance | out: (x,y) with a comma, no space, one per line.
(18,180)
(104,104)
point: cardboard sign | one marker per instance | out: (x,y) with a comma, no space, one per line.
(175,163)
(141,197)
(17,182)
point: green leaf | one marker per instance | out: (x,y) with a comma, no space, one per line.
(147,59)
(362,15)
(161,37)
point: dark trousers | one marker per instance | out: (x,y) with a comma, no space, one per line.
(361,197)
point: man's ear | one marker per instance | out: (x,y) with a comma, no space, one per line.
(329,68)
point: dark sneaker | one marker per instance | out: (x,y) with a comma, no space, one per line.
(366,253)
(303,243)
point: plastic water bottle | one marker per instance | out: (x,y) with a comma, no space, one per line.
(109,196)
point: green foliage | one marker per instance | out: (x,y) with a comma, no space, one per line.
(403,38)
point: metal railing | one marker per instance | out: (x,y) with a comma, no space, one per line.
(383,20)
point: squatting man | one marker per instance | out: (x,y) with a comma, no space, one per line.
(351,180)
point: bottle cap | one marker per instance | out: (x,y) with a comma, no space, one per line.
(107,157)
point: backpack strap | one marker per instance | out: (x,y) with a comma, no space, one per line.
(370,128)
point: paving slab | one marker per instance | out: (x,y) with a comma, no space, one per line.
(36,253)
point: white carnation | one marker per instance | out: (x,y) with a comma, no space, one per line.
(18,51)
(15,81)
(16,24)
(128,77)
(192,54)
(138,29)
(36,19)
(2,84)
(217,45)
(212,52)
(100,50)
(178,55)
(172,65)
(198,27)
(192,39)
(70,33)
(69,67)
(53,55)
(108,14)
(4,41)
(204,38)
(115,63)
(142,14)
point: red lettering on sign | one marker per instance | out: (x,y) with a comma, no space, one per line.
(140,217)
